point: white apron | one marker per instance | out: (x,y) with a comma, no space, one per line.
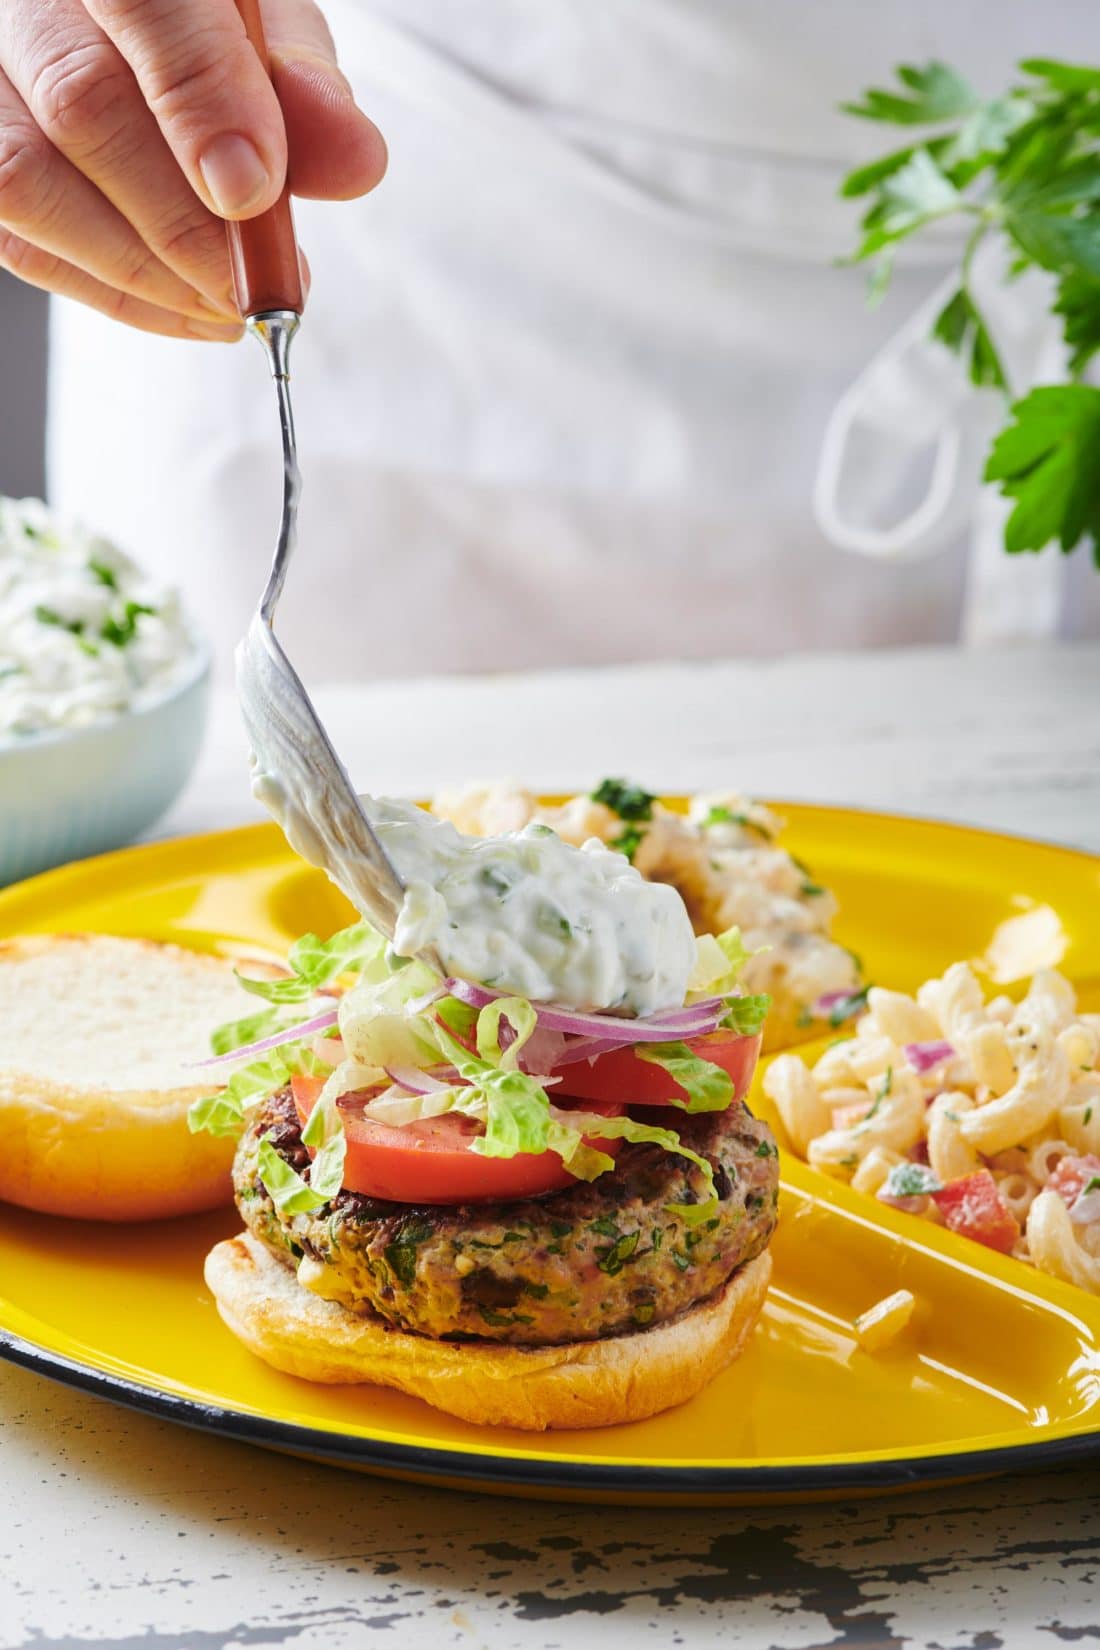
(564,379)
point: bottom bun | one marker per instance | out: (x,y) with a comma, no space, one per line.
(580,1384)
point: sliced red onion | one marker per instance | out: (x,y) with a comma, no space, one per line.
(1086,1209)
(420,1082)
(924,1056)
(543,1050)
(292,1034)
(908,1205)
(655,1028)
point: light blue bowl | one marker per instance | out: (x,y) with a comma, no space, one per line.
(78,791)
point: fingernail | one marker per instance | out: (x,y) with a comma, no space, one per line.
(234,173)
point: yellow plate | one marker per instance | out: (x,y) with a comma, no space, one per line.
(1000,1367)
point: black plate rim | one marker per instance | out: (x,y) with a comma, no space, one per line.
(428,1462)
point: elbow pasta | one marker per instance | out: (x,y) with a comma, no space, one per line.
(1016,1095)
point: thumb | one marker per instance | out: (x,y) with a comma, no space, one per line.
(210,94)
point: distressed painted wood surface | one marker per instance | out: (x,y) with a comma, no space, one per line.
(119,1530)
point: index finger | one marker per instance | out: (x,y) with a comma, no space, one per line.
(210,94)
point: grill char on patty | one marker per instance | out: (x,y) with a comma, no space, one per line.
(599,1258)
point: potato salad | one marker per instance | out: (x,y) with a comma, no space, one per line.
(726,862)
(83,634)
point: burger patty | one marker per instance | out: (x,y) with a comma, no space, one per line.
(599,1258)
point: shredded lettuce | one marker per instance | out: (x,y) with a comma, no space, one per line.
(237,1033)
(516,1106)
(708,1087)
(522,1019)
(627,1128)
(314,963)
(223,1113)
(388,1017)
(746,1015)
(719,960)
(377,1026)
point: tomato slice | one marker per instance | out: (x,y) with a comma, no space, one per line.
(973,1206)
(624,1079)
(1072,1175)
(432,1161)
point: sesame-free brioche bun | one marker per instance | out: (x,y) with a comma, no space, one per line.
(98,1042)
(581,1384)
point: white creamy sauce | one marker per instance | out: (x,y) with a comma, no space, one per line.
(83,635)
(524,912)
(528,913)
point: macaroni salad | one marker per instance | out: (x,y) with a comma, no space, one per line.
(983,1116)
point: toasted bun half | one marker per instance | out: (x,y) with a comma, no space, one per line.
(582,1384)
(98,1043)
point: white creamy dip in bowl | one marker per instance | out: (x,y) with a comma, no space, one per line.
(103,693)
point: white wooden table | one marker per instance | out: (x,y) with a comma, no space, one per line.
(119,1530)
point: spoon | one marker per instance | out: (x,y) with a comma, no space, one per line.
(296,772)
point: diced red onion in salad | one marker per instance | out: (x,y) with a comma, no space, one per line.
(291,1034)
(924,1056)
(830,999)
(1086,1209)
(911,1205)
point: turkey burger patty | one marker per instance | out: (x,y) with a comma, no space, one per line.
(601,1258)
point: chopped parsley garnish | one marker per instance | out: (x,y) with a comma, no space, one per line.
(725,816)
(810,890)
(628,801)
(628,842)
(845,1007)
(1091,1185)
(912,1180)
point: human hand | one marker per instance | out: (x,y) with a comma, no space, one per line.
(130,129)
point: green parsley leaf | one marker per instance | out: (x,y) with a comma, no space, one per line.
(961,328)
(1023,166)
(1091,1185)
(936,93)
(1078,304)
(1049,462)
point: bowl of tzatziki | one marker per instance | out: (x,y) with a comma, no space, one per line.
(103,693)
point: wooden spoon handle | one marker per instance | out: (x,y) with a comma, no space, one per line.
(267,272)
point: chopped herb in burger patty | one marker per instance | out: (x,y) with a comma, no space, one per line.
(601,1258)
